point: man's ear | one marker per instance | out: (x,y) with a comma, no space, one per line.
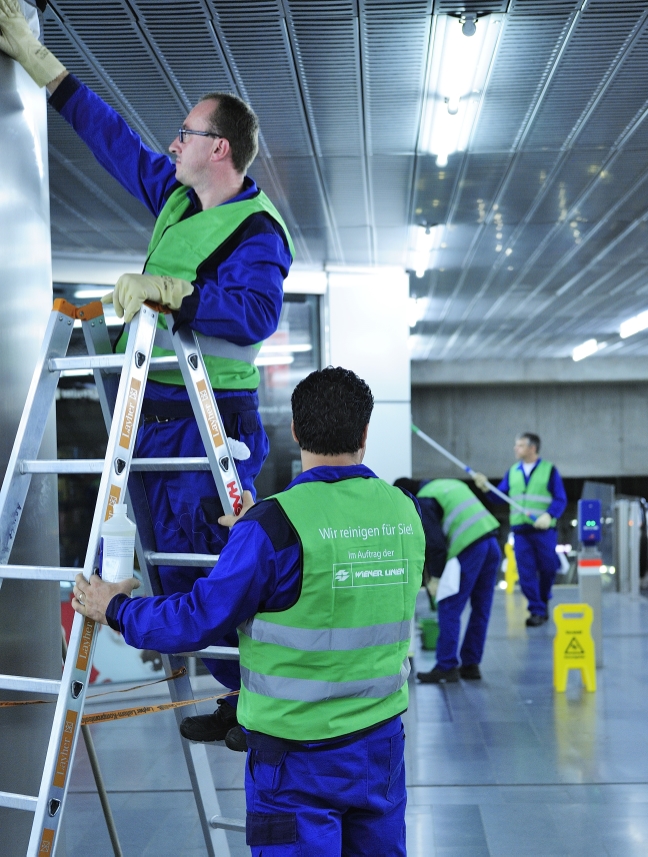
(364,435)
(292,431)
(221,149)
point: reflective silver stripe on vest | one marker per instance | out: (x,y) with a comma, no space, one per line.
(326,639)
(314,690)
(447,521)
(483,513)
(533,498)
(211,346)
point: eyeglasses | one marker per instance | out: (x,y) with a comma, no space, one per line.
(184,132)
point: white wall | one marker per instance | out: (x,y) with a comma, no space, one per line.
(368,332)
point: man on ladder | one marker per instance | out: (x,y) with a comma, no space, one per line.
(217,258)
(321,581)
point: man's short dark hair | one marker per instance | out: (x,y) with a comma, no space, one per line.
(413,486)
(533,439)
(331,408)
(238,123)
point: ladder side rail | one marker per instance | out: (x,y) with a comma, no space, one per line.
(76,672)
(97,340)
(31,428)
(200,775)
(210,424)
(202,782)
(180,690)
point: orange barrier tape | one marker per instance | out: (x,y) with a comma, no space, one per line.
(124,713)
(110,715)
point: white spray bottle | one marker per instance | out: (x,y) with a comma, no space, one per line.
(117,546)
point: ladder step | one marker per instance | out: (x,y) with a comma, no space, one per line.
(30,685)
(37,572)
(96,465)
(223,823)
(196,560)
(104,361)
(15,801)
(222,653)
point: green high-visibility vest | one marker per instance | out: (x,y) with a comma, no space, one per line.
(465,518)
(336,661)
(177,249)
(534,497)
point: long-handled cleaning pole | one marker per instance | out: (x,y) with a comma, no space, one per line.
(470,471)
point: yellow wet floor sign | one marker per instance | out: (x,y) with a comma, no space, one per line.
(511,571)
(573,645)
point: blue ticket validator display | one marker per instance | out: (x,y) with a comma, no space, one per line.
(589,521)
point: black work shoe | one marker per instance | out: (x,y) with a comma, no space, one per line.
(470,671)
(535,620)
(439,676)
(236,740)
(210,727)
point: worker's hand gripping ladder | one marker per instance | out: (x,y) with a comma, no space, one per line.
(125,408)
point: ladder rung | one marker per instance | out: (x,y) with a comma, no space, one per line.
(104,361)
(37,572)
(15,801)
(96,465)
(223,823)
(198,560)
(30,685)
(222,653)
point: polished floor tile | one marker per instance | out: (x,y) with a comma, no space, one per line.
(504,767)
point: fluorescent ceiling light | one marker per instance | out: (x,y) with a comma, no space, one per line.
(634,325)
(91,292)
(282,349)
(587,349)
(279,360)
(111,321)
(458,70)
(423,241)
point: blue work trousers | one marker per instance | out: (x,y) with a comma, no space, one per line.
(329,801)
(537,562)
(185,506)
(480,564)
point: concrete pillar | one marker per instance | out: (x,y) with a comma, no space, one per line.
(368,332)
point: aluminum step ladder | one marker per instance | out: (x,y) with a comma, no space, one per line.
(121,404)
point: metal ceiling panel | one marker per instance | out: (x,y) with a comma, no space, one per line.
(593,53)
(557,164)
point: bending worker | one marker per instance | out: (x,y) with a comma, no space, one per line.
(217,258)
(321,581)
(458,527)
(535,484)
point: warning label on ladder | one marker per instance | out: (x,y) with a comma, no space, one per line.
(574,649)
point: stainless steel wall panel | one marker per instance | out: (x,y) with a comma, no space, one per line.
(30,613)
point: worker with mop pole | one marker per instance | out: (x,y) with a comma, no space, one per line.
(536,496)
(464,569)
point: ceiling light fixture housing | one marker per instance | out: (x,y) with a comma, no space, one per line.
(458,67)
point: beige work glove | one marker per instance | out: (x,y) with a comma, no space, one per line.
(131,290)
(543,521)
(18,42)
(480,481)
(432,586)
